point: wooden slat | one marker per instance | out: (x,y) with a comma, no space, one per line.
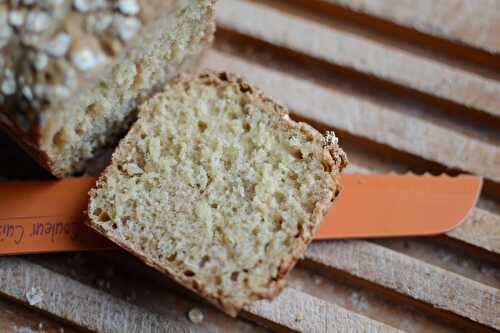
(19,319)
(119,273)
(367,119)
(79,304)
(473,23)
(361,54)
(480,228)
(411,277)
(98,311)
(342,291)
(301,312)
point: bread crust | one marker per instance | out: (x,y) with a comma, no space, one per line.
(31,135)
(333,161)
(31,147)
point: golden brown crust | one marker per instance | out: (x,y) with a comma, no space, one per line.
(30,147)
(36,137)
(334,160)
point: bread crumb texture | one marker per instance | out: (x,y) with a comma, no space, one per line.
(215,186)
(102,113)
(72,72)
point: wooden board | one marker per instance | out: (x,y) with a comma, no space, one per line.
(426,99)
(450,20)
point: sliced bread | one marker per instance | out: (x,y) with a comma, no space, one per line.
(217,188)
(72,76)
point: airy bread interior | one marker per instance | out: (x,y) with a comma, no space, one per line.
(215,186)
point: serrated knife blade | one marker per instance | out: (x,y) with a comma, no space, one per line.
(47,216)
(372,206)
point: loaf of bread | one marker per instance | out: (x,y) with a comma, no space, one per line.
(218,188)
(73,71)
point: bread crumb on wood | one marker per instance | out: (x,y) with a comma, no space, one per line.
(25,329)
(195,316)
(34,296)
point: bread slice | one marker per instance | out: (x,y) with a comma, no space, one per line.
(216,187)
(72,76)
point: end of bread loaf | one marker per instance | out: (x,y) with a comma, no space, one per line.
(102,109)
(217,188)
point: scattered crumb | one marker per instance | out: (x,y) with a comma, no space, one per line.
(40,326)
(359,301)
(34,295)
(317,279)
(407,325)
(25,329)
(195,315)
(299,317)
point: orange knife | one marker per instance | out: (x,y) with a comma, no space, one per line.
(47,216)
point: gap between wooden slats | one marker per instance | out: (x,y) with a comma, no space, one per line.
(362,55)
(98,311)
(368,120)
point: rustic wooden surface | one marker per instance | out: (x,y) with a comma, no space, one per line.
(448,19)
(408,87)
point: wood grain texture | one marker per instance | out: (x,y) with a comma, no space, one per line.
(473,23)
(124,276)
(367,119)
(411,277)
(301,312)
(411,273)
(361,54)
(366,302)
(15,318)
(98,311)
(480,228)
(79,304)
(293,310)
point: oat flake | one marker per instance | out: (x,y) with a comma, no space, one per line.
(58,46)
(16,18)
(126,27)
(8,86)
(40,61)
(37,21)
(128,7)
(84,59)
